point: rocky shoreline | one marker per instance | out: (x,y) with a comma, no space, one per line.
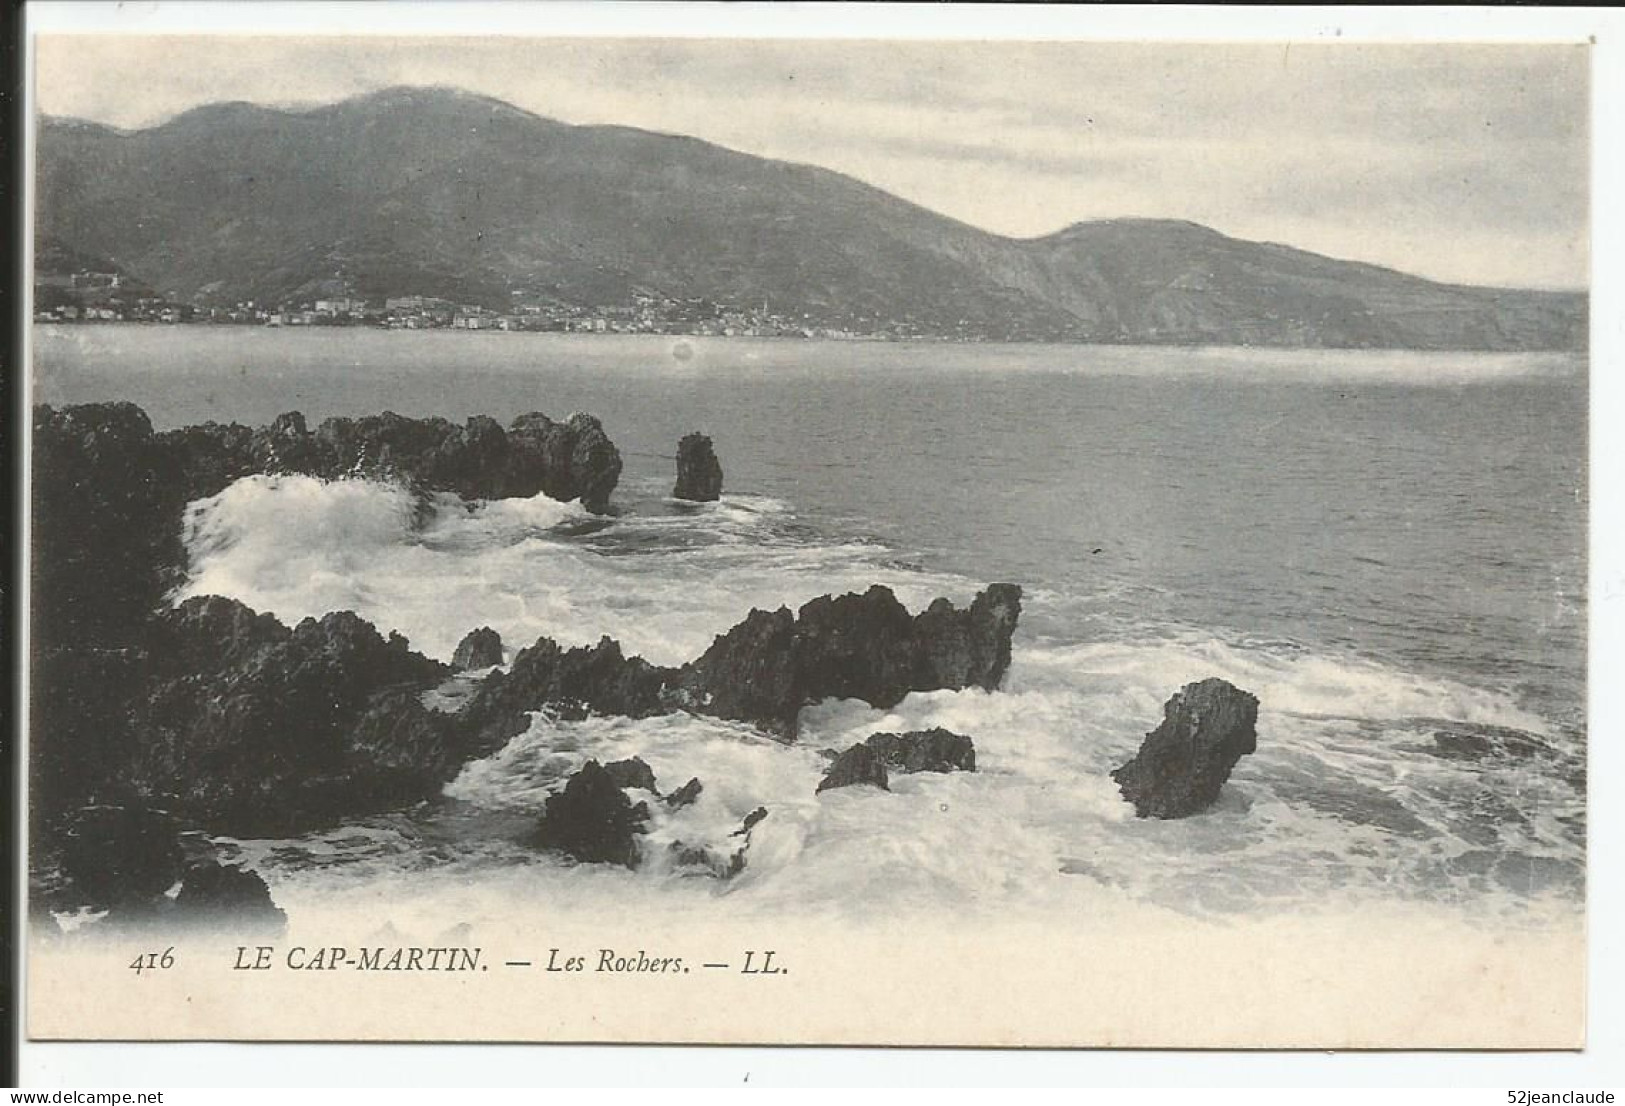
(150,720)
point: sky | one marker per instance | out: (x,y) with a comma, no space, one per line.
(1465,163)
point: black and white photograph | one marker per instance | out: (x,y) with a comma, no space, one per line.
(729,540)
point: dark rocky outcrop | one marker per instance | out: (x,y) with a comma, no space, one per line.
(121,857)
(858,764)
(227,897)
(481,648)
(766,668)
(1206,727)
(686,795)
(591,820)
(750,821)
(246,726)
(106,503)
(866,647)
(571,683)
(125,860)
(699,473)
(256,728)
(109,495)
(566,460)
(933,750)
(633,772)
(239,724)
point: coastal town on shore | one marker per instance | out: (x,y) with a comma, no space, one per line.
(97,297)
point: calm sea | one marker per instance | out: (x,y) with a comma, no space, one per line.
(1387,548)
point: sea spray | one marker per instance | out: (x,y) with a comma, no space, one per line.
(1348,801)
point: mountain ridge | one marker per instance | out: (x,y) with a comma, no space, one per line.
(429,191)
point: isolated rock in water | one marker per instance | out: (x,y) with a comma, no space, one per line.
(685,795)
(866,646)
(482,648)
(859,764)
(592,820)
(699,473)
(227,896)
(121,857)
(1182,764)
(632,772)
(750,822)
(934,750)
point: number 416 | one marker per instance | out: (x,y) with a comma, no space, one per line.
(153,961)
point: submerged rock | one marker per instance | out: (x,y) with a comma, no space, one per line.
(1478,742)
(859,764)
(592,820)
(933,750)
(699,473)
(852,646)
(1182,764)
(709,860)
(481,648)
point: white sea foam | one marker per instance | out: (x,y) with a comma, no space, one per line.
(663,585)
(1346,801)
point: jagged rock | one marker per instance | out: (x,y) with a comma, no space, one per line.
(256,728)
(634,773)
(571,682)
(1206,727)
(699,473)
(766,668)
(934,750)
(106,512)
(864,646)
(969,648)
(227,897)
(592,820)
(481,648)
(479,460)
(210,633)
(121,857)
(685,795)
(109,495)
(859,764)
(750,821)
(570,460)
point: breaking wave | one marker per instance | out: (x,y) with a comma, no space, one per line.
(1370,783)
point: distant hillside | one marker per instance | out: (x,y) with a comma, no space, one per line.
(443,193)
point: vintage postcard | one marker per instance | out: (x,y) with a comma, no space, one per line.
(808,541)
